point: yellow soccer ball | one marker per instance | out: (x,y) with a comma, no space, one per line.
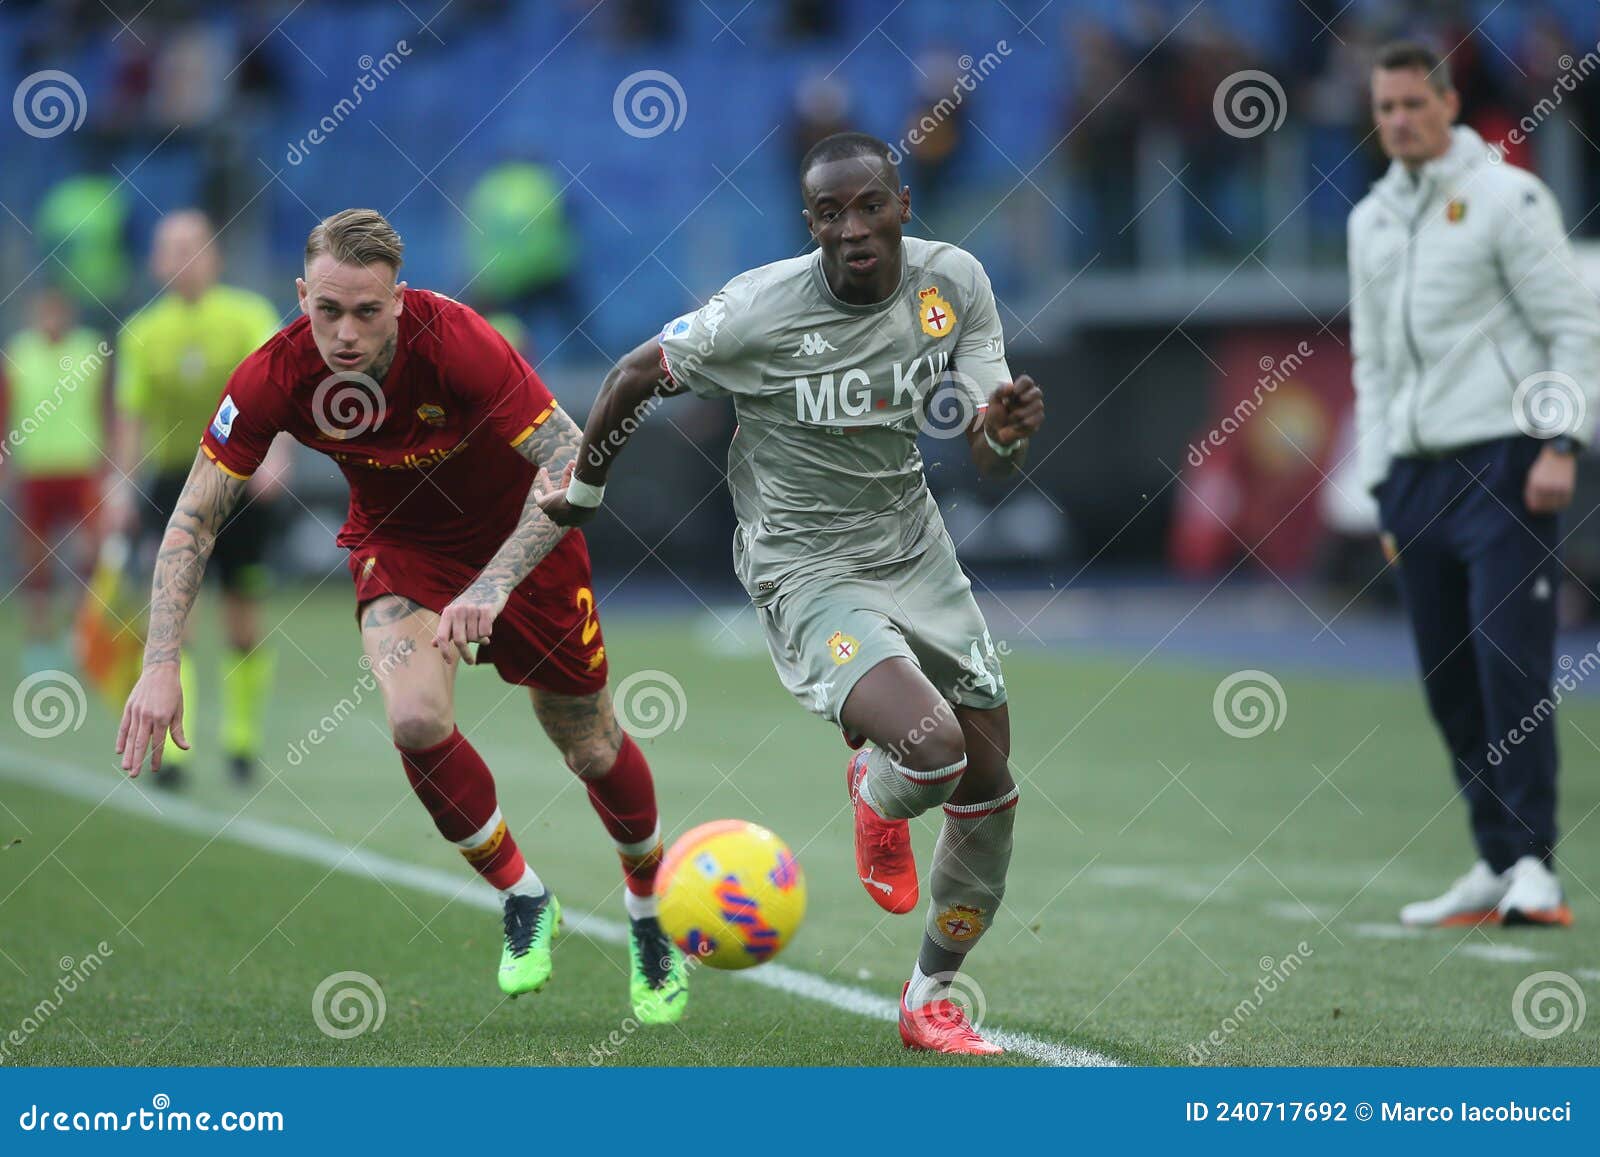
(732,894)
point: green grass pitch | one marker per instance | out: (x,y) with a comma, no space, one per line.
(1163,868)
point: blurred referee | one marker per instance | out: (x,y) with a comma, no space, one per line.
(1475,347)
(173,359)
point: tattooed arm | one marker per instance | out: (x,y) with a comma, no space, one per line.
(156,704)
(552,449)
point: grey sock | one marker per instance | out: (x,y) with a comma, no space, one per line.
(897,792)
(968,877)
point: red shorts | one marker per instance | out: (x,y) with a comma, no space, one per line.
(50,508)
(58,500)
(548,636)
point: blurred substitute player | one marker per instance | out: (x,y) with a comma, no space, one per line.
(173,358)
(53,381)
(440,428)
(832,360)
(1476,349)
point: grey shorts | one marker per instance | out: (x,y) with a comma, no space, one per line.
(826,633)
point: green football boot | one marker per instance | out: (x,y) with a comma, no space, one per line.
(659,981)
(531,923)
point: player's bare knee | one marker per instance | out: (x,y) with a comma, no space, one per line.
(592,758)
(419,724)
(934,743)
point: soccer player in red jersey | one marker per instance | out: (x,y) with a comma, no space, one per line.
(441,429)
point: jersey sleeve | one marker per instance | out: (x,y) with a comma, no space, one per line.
(507,397)
(246,420)
(980,357)
(718,350)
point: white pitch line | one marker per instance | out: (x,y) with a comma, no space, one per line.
(280,839)
(1503,953)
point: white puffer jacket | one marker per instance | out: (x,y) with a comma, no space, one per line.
(1463,287)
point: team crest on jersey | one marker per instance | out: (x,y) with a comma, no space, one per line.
(960,922)
(222,424)
(1455,210)
(843,647)
(366,567)
(937,318)
(431,414)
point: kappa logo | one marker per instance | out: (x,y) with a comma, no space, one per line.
(812,345)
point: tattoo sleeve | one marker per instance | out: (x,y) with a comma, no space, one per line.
(552,446)
(208,497)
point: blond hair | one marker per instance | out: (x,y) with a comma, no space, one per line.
(356,237)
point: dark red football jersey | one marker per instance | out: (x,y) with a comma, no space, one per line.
(430,458)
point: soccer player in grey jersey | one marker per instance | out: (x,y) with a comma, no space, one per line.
(836,361)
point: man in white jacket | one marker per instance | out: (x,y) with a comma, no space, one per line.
(1476,348)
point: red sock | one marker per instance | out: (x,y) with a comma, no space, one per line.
(625,800)
(454,784)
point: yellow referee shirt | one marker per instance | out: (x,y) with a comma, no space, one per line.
(174,358)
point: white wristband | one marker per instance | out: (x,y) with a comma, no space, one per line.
(1003,451)
(580,493)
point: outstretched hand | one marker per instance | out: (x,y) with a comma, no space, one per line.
(154,708)
(553,500)
(1016,411)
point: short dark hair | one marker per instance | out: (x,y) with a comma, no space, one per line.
(1402,54)
(843,147)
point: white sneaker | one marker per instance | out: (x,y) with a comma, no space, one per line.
(1472,899)
(1534,896)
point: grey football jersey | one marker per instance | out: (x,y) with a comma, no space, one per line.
(830,397)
